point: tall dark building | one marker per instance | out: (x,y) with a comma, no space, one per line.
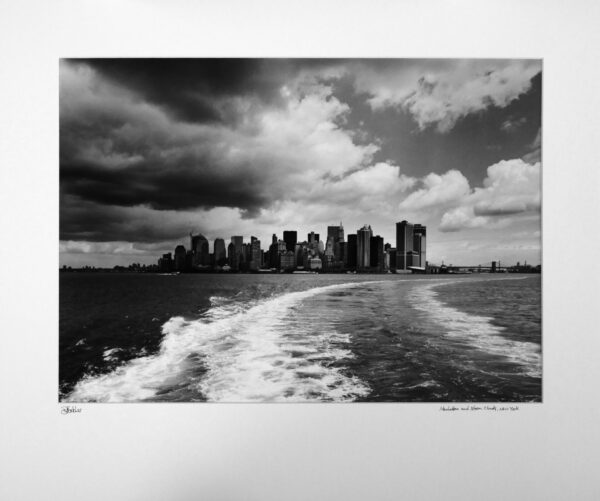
(404,244)
(419,244)
(165,263)
(377,253)
(238,252)
(344,253)
(231,254)
(200,252)
(363,247)
(290,238)
(255,254)
(180,258)
(274,252)
(336,234)
(220,252)
(410,245)
(351,252)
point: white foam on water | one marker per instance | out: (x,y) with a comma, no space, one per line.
(110,354)
(250,352)
(476,330)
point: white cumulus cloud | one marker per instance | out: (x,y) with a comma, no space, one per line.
(440,92)
(438,190)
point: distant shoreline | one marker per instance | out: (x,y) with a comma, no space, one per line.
(296,272)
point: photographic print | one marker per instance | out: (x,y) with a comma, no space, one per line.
(300,230)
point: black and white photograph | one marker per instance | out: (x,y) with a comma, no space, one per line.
(300,230)
(299,251)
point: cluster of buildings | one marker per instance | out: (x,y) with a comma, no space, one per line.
(360,252)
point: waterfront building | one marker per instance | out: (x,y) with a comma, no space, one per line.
(247,257)
(230,254)
(329,248)
(410,245)
(419,244)
(288,260)
(237,256)
(165,263)
(220,253)
(363,247)
(306,257)
(301,251)
(412,259)
(200,252)
(377,254)
(351,252)
(391,258)
(336,233)
(343,253)
(274,252)
(404,244)
(255,254)
(312,237)
(180,258)
(290,238)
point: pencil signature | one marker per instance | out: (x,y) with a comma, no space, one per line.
(70,409)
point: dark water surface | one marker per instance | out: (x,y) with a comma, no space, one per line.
(234,338)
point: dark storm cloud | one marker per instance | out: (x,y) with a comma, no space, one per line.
(84,220)
(129,158)
(118,150)
(187,87)
(162,187)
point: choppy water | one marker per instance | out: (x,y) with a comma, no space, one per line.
(271,338)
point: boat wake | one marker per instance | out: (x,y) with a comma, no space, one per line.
(477,331)
(247,351)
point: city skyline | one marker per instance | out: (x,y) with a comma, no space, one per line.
(218,146)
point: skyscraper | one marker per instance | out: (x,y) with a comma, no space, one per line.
(288,260)
(363,247)
(238,252)
(351,252)
(274,252)
(377,254)
(419,244)
(180,258)
(336,233)
(410,245)
(231,254)
(220,252)
(200,252)
(391,258)
(255,254)
(165,263)
(290,238)
(404,244)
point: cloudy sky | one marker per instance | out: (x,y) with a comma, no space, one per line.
(151,149)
